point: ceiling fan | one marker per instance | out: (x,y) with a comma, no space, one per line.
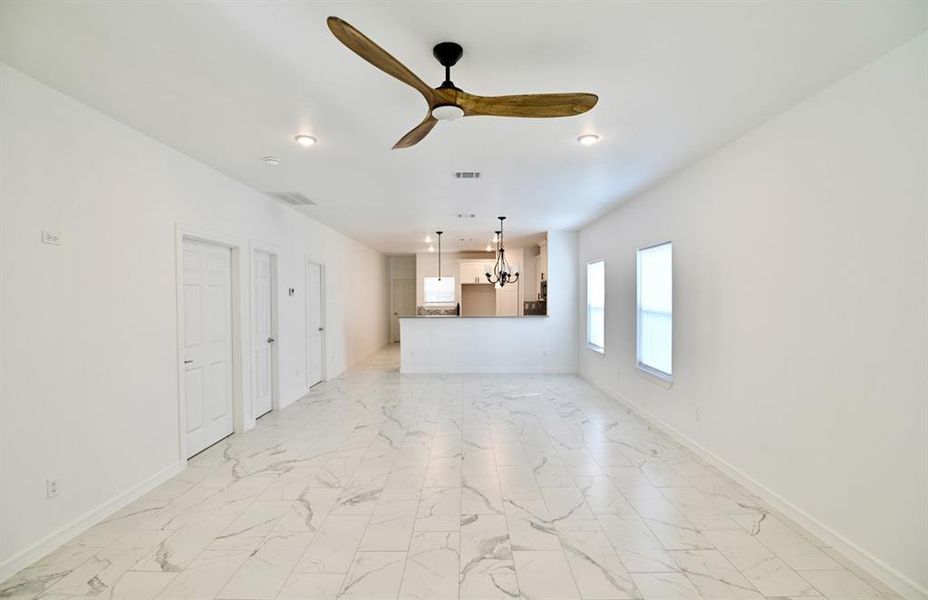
(448,102)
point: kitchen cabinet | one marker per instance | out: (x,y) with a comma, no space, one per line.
(474,271)
(509,300)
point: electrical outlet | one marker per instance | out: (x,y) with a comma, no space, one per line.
(51,488)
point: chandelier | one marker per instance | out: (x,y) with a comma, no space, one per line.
(502,270)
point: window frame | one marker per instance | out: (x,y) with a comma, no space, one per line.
(454,291)
(590,345)
(646,368)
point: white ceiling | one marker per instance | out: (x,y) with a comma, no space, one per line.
(230,82)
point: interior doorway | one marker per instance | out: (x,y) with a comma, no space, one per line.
(315,323)
(207,344)
(264,332)
(404,304)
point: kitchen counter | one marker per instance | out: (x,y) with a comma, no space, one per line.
(528,344)
(472,317)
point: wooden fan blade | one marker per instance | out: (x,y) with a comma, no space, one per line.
(526,105)
(361,45)
(417,134)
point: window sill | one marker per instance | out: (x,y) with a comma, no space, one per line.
(662,379)
(596,349)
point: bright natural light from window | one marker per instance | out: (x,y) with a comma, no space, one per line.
(655,309)
(596,305)
(439,290)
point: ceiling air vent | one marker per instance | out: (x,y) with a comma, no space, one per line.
(467,174)
(292,198)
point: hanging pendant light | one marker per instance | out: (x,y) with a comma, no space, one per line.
(502,271)
(439,253)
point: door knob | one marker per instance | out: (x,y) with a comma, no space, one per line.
(321,328)
(187,362)
(270,340)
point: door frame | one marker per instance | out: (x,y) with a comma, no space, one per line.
(270,249)
(240,375)
(395,338)
(322,309)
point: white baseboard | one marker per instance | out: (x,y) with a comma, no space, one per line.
(891,577)
(52,541)
(484,370)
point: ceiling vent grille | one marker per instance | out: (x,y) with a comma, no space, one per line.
(467,174)
(292,198)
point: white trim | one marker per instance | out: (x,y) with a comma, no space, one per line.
(854,553)
(655,375)
(241,320)
(55,539)
(272,251)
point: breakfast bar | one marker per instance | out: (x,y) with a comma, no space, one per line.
(451,344)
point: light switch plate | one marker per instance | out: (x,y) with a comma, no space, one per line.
(51,237)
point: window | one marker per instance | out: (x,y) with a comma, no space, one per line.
(439,290)
(596,305)
(655,309)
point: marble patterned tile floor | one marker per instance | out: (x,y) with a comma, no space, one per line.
(471,487)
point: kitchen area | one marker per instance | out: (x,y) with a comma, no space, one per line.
(461,322)
(462,288)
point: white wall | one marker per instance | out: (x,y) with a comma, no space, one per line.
(800,309)
(89,349)
(504,344)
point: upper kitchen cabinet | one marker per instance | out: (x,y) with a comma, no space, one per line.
(474,271)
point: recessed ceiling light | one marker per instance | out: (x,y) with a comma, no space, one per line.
(588,139)
(305,140)
(271,160)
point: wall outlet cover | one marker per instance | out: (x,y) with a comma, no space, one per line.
(51,488)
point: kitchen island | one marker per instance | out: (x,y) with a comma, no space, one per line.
(452,344)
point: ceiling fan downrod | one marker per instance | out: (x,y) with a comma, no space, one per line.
(447,54)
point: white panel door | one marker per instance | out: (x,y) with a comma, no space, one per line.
(207,348)
(315,324)
(262,336)
(404,302)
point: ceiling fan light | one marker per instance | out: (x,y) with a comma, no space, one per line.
(448,112)
(588,139)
